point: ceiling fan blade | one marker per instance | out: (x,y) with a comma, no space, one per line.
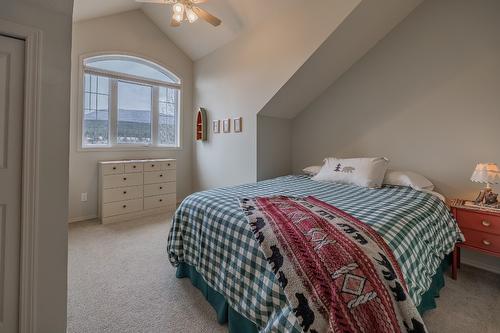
(174,23)
(199,1)
(207,16)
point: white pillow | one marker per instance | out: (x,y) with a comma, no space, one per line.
(408,178)
(367,172)
(312,170)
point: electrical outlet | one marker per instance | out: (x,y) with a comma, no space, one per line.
(84,197)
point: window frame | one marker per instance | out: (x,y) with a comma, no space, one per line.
(114,77)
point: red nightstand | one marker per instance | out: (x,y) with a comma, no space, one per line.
(481,229)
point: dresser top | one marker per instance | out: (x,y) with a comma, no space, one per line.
(139,161)
(470,205)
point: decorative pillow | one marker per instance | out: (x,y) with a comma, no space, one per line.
(367,172)
(312,170)
(408,178)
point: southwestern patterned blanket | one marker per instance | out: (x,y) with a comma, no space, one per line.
(337,272)
(211,233)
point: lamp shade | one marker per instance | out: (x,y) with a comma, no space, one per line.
(487,173)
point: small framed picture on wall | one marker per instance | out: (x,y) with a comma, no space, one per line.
(216,126)
(237,123)
(226,125)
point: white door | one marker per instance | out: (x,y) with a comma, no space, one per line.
(11,117)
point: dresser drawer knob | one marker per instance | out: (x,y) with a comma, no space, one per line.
(161,187)
(486,242)
(152,165)
(124,178)
(124,206)
(161,175)
(168,164)
(161,200)
(114,168)
(135,166)
(486,223)
(124,192)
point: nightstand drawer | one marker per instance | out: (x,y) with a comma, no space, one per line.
(482,240)
(478,221)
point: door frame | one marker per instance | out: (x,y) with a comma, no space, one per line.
(29,197)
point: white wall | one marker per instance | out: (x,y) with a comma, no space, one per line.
(54,19)
(426,97)
(274,147)
(240,78)
(130,32)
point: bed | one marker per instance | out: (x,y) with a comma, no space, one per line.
(211,242)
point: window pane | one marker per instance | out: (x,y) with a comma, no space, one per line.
(102,85)
(96,111)
(93,83)
(102,102)
(134,113)
(86,101)
(167,127)
(132,66)
(87,82)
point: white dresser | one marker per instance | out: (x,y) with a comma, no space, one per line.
(133,188)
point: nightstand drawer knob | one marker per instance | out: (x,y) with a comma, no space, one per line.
(486,223)
(486,242)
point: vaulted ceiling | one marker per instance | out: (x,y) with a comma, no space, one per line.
(200,38)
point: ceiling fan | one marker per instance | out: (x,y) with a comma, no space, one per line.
(186,10)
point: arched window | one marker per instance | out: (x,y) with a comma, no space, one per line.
(129,101)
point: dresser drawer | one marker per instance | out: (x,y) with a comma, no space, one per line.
(482,240)
(121,194)
(156,177)
(133,167)
(170,165)
(112,169)
(121,207)
(167,200)
(157,189)
(478,221)
(123,180)
(155,166)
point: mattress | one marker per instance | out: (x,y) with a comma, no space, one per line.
(210,233)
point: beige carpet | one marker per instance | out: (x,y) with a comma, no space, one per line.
(120,281)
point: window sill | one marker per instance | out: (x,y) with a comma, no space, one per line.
(129,148)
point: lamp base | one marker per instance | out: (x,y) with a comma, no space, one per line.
(486,197)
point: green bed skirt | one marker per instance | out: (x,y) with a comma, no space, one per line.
(238,323)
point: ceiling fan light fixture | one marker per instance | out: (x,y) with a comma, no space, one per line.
(191,16)
(177,17)
(178,8)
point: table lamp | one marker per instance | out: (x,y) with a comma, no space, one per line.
(486,173)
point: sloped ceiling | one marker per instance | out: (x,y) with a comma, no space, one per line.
(88,9)
(358,33)
(200,38)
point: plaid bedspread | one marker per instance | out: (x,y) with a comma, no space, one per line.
(211,233)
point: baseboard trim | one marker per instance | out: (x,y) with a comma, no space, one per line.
(82,218)
(480,265)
